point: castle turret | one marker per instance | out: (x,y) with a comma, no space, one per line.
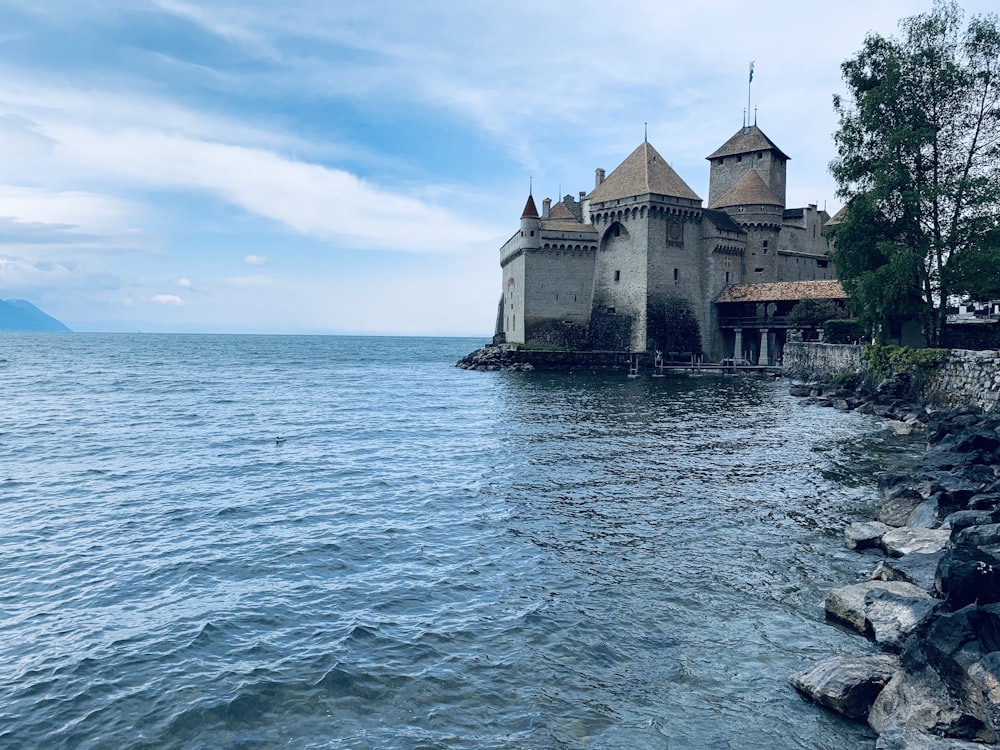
(748,150)
(531,223)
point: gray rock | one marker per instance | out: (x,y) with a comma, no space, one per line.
(985,677)
(980,535)
(922,702)
(906,541)
(847,604)
(964,518)
(907,427)
(865,535)
(907,738)
(918,568)
(896,507)
(892,617)
(847,685)
(926,515)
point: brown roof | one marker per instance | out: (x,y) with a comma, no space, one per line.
(838,218)
(644,171)
(780,291)
(745,141)
(560,211)
(566,225)
(530,212)
(747,190)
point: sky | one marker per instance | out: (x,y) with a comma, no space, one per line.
(325,166)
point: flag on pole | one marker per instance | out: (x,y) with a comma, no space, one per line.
(751,72)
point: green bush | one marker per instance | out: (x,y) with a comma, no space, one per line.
(843,331)
(889,359)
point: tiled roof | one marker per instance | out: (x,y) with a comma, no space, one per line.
(567,225)
(838,217)
(530,211)
(780,291)
(560,211)
(747,190)
(745,141)
(644,171)
(722,221)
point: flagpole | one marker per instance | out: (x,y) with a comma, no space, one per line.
(748,92)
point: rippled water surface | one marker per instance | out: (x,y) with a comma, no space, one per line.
(433,558)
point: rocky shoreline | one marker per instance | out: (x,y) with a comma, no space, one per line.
(932,602)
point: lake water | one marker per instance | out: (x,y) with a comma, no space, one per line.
(433,558)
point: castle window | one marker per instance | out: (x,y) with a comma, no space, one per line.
(758,270)
(760,154)
(727,277)
(532,232)
(618,275)
(739,159)
(822,263)
(676,273)
(719,162)
(765,247)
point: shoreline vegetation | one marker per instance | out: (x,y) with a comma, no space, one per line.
(931,602)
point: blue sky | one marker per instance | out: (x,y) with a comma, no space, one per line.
(326,166)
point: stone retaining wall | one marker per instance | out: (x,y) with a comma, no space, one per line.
(965,378)
(814,361)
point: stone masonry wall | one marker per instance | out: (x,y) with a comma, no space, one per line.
(965,377)
(812,361)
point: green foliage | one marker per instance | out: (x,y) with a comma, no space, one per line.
(850,380)
(888,359)
(812,313)
(918,162)
(843,331)
(975,276)
(671,326)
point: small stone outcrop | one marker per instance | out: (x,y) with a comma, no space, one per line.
(492,358)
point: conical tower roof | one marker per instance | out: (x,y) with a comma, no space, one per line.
(747,140)
(747,190)
(644,171)
(530,210)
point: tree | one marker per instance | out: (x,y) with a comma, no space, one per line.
(812,313)
(918,163)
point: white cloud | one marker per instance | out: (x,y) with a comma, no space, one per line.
(185,282)
(256,260)
(167,299)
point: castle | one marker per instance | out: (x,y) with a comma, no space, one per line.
(639,265)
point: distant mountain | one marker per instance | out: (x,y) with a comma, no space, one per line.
(20,315)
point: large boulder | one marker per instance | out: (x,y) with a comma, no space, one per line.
(959,651)
(898,505)
(908,540)
(847,604)
(967,575)
(864,535)
(980,535)
(919,569)
(891,617)
(847,685)
(921,701)
(908,738)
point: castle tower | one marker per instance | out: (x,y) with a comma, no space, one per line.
(748,150)
(648,222)
(747,181)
